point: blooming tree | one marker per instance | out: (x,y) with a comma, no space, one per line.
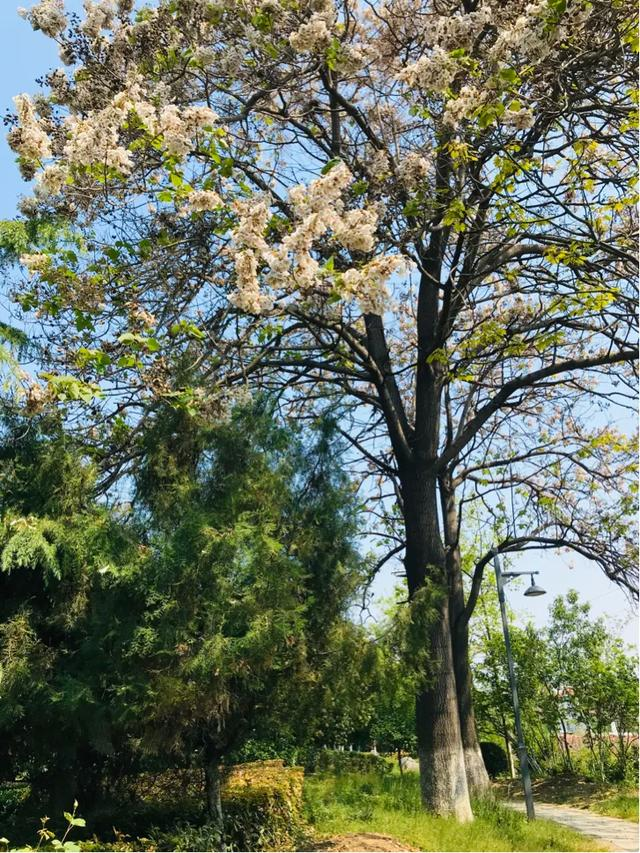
(419,212)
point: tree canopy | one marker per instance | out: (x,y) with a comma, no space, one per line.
(419,214)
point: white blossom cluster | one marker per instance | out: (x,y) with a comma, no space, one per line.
(99,16)
(463,106)
(433,72)
(413,169)
(29,139)
(35,263)
(519,30)
(97,137)
(452,32)
(318,211)
(47,15)
(200,201)
(311,37)
(530,36)
(179,126)
(51,180)
(521,119)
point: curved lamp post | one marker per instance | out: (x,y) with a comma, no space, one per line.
(534,590)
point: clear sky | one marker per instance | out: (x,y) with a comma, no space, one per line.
(24,56)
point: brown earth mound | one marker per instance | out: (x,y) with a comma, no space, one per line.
(354,842)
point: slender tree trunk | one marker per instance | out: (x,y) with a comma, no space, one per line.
(477,776)
(213,790)
(509,748)
(567,750)
(443,779)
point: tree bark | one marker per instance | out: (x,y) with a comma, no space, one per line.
(477,776)
(213,790)
(443,779)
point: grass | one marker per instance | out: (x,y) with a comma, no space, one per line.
(622,804)
(614,800)
(390,805)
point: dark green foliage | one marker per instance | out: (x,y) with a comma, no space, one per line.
(158,637)
(495,758)
(338,761)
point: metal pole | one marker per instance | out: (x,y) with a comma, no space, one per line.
(522,749)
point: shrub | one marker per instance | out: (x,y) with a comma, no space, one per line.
(495,758)
(12,796)
(262,805)
(348,762)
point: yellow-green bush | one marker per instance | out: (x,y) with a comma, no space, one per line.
(262,805)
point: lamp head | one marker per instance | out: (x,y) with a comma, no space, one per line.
(534,589)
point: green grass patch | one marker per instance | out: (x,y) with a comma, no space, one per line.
(390,805)
(623,804)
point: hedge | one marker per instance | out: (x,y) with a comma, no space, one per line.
(262,805)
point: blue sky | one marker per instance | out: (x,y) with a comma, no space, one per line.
(24,56)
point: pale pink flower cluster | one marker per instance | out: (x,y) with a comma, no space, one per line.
(413,169)
(47,15)
(318,209)
(530,35)
(203,200)
(179,126)
(52,179)
(96,140)
(368,285)
(30,141)
(35,263)
(312,37)
(521,119)
(464,105)
(99,16)
(433,72)
(452,32)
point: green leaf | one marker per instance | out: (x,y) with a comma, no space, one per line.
(329,166)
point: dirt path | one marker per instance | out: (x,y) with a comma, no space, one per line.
(366,841)
(620,834)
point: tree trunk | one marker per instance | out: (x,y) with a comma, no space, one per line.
(509,748)
(477,776)
(213,790)
(443,780)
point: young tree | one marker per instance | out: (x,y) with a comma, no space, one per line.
(58,549)
(178,631)
(573,671)
(251,570)
(419,211)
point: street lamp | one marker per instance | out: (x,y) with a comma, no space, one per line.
(533,590)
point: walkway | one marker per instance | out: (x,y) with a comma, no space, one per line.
(620,834)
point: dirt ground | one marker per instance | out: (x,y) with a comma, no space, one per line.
(366,841)
(564,790)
